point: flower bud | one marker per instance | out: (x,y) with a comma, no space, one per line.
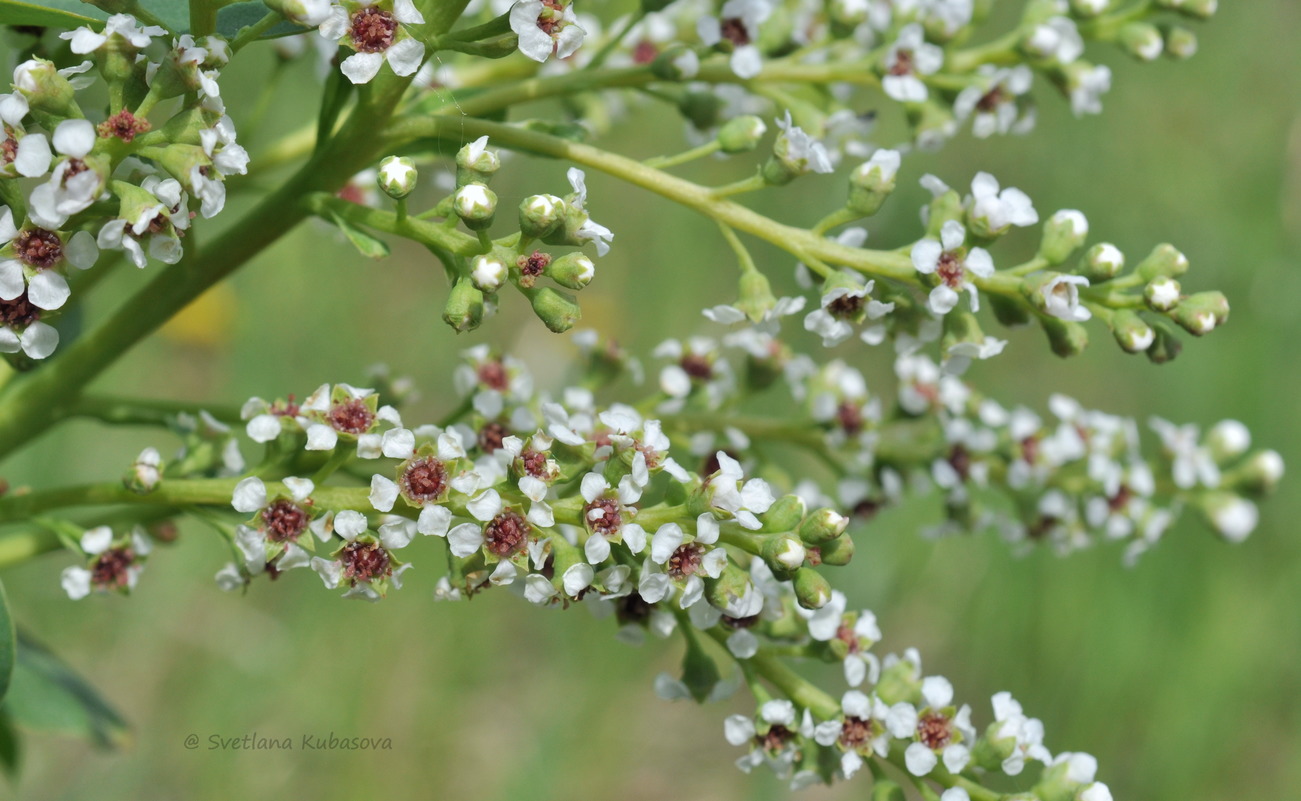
(756,297)
(1066,337)
(1258,476)
(1200,313)
(872,182)
(1058,295)
(1164,260)
(785,514)
(837,552)
(145,472)
(1063,234)
(475,204)
(1131,332)
(701,109)
(947,206)
(397,176)
(741,134)
(677,63)
(308,13)
(1232,516)
(1102,262)
(464,309)
(1162,294)
(1089,8)
(733,592)
(822,526)
(1227,440)
(1180,42)
(1165,347)
(1008,311)
(475,163)
(1142,40)
(488,273)
(540,215)
(572,270)
(812,590)
(783,553)
(46,90)
(557,311)
(899,682)
(1198,9)
(699,670)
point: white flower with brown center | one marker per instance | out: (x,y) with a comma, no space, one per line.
(953,266)
(377,32)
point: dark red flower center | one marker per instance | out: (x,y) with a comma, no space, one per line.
(365,561)
(847,305)
(284,521)
(491,436)
(38,247)
(124,125)
(608,521)
(697,366)
(505,534)
(111,570)
(733,30)
(19,312)
(935,730)
(424,480)
(493,376)
(775,739)
(352,416)
(685,561)
(855,732)
(950,269)
(373,30)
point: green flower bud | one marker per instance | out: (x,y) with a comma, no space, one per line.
(811,589)
(947,206)
(837,552)
(1008,311)
(464,309)
(397,176)
(989,751)
(785,514)
(899,682)
(1258,476)
(475,204)
(783,553)
(47,91)
(1165,347)
(677,63)
(1063,234)
(756,295)
(872,182)
(1232,516)
(475,163)
(1089,8)
(488,272)
(1102,262)
(557,311)
(1131,332)
(572,270)
(732,590)
(1180,42)
(540,215)
(741,134)
(1162,294)
(1197,9)
(701,109)
(1200,313)
(1066,338)
(822,526)
(1142,40)
(1163,260)
(886,790)
(699,670)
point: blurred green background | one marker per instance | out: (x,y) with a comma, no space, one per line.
(1180,675)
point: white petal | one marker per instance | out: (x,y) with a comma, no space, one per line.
(48,290)
(465,539)
(250,495)
(361,67)
(434,520)
(74,138)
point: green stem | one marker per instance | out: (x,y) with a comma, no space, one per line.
(144,411)
(660,162)
(251,33)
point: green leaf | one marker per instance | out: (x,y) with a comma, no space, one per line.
(175,14)
(231,18)
(51,14)
(49,696)
(368,245)
(7,643)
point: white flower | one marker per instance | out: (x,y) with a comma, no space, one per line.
(996,210)
(545,30)
(738,22)
(741,501)
(910,57)
(74,184)
(85,40)
(31,155)
(799,151)
(590,230)
(992,103)
(946,260)
(376,31)
(1056,39)
(1061,296)
(1087,86)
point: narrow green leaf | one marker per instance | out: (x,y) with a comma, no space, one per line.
(368,245)
(51,14)
(175,14)
(48,695)
(7,643)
